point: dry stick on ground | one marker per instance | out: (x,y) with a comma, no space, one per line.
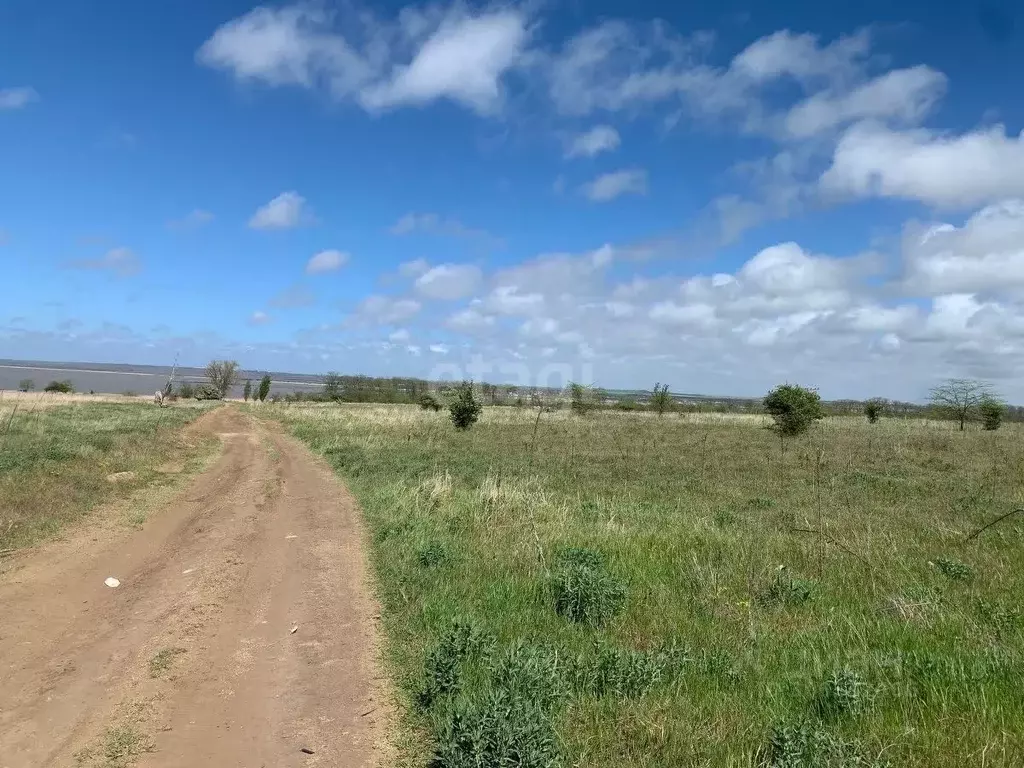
(997,520)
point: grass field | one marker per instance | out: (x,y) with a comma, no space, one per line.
(59,458)
(635,591)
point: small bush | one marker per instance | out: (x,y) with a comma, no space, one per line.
(186,391)
(786,590)
(582,399)
(844,693)
(64,387)
(806,745)
(247,390)
(584,591)
(661,400)
(874,409)
(954,569)
(264,389)
(463,639)
(26,385)
(628,405)
(432,554)
(793,408)
(429,403)
(207,392)
(991,411)
(464,408)
(628,673)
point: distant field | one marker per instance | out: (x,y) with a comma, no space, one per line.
(59,458)
(737,605)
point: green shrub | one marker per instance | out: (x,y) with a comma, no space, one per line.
(806,745)
(264,388)
(873,409)
(583,589)
(991,411)
(247,390)
(794,408)
(442,668)
(629,404)
(786,590)
(954,569)
(844,693)
(432,554)
(464,407)
(64,387)
(429,403)
(661,401)
(207,392)
(186,390)
(26,385)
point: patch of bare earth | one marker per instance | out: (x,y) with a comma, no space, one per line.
(242,633)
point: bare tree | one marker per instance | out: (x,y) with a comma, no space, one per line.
(222,375)
(960,398)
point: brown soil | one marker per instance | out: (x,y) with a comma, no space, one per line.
(192,660)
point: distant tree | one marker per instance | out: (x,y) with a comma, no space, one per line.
(207,392)
(222,375)
(186,390)
(660,399)
(26,385)
(960,399)
(333,386)
(464,409)
(429,403)
(64,387)
(991,411)
(247,390)
(264,389)
(794,408)
(581,398)
(873,409)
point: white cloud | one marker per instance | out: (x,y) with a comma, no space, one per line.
(903,95)
(448,282)
(439,349)
(285,211)
(630,181)
(419,58)
(401,335)
(17,98)
(600,138)
(413,268)
(122,262)
(259,318)
(971,169)
(384,310)
(192,220)
(985,255)
(464,60)
(507,300)
(326,261)
(470,320)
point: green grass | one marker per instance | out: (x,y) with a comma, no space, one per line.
(820,606)
(163,660)
(54,462)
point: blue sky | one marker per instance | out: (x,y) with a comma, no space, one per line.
(720,195)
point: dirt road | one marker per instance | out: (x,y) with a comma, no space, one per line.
(241,634)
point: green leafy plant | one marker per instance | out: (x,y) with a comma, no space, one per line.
(661,401)
(186,390)
(464,409)
(247,390)
(581,399)
(794,408)
(954,569)
(207,392)
(786,590)
(429,403)
(584,591)
(873,409)
(463,639)
(844,693)
(63,387)
(432,554)
(264,388)
(991,411)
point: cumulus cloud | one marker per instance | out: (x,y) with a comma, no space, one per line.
(423,56)
(600,138)
(285,211)
(17,98)
(122,262)
(326,261)
(469,320)
(985,255)
(448,282)
(259,318)
(948,171)
(384,310)
(630,181)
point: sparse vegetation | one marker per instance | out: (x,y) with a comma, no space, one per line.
(186,391)
(622,602)
(464,409)
(54,462)
(222,375)
(959,399)
(429,403)
(333,386)
(163,659)
(793,408)
(661,401)
(582,399)
(247,390)
(26,385)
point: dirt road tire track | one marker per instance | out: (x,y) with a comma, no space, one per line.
(265,541)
